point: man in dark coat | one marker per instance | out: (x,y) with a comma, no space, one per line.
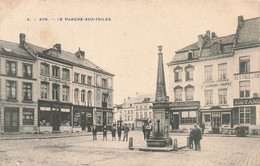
(94,133)
(126,130)
(191,139)
(105,133)
(114,133)
(197,136)
(119,132)
(143,128)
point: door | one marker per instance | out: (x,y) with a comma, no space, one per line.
(216,123)
(175,121)
(83,120)
(226,120)
(11,120)
(56,119)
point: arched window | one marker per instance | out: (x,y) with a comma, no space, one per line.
(76,95)
(89,98)
(83,96)
(190,55)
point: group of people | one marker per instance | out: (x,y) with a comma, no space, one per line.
(119,130)
(195,136)
(147,128)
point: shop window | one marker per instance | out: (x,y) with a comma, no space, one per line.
(222,96)
(89,80)
(209,97)
(27,91)
(83,97)
(76,77)
(11,68)
(188,117)
(244,64)
(27,70)
(110,118)
(178,74)
(206,119)
(244,88)
(76,96)
(189,72)
(45,116)
(65,117)
(208,73)
(65,74)
(28,116)
(98,118)
(45,69)
(11,90)
(178,93)
(222,71)
(245,115)
(226,118)
(89,98)
(189,92)
(55,91)
(83,79)
(65,93)
(44,90)
(77,118)
(55,71)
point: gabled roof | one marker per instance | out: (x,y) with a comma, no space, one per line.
(14,50)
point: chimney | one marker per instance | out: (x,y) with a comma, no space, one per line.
(200,41)
(240,21)
(22,40)
(213,35)
(80,54)
(58,47)
(207,35)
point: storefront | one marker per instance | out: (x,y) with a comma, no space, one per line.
(54,116)
(103,117)
(246,114)
(82,118)
(216,119)
(183,115)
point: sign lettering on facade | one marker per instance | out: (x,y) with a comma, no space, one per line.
(55,80)
(185,104)
(216,85)
(252,101)
(247,76)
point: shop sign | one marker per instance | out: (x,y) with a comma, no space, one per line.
(216,85)
(83,86)
(251,101)
(56,80)
(185,104)
(215,115)
(216,110)
(247,76)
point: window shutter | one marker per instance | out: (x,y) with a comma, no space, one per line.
(236,116)
(253,115)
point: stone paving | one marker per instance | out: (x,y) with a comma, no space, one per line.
(81,150)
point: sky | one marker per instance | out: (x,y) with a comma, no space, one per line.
(126,46)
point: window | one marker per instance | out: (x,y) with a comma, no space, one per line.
(65,93)
(65,116)
(150,115)
(89,80)
(128,118)
(137,115)
(11,68)
(189,73)
(188,117)
(104,99)
(76,77)
(208,73)
(245,114)
(27,91)
(55,71)
(90,98)
(132,111)
(104,83)
(141,114)
(189,93)
(83,96)
(189,55)
(244,64)
(178,74)
(66,74)
(244,88)
(83,79)
(77,118)
(27,70)
(109,118)
(45,69)
(55,91)
(132,117)
(209,97)
(11,91)
(76,95)
(222,71)
(45,118)
(145,114)
(178,93)
(222,96)
(136,108)
(44,90)
(28,116)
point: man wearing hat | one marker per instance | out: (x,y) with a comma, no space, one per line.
(197,136)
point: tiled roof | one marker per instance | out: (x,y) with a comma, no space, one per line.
(13,49)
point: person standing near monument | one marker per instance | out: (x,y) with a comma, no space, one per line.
(114,133)
(126,130)
(143,128)
(197,136)
(105,133)
(119,129)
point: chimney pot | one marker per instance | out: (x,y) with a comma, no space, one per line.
(58,47)
(22,39)
(240,21)
(213,35)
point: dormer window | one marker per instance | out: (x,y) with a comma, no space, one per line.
(216,48)
(190,55)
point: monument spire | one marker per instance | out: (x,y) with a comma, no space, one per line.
(160,84)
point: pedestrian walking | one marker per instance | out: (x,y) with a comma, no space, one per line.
(114,133)
(126,130)
(94,133)
(203,128)
(197,136)
(143,128)
(191,138)
(119,130)
(105,133)
(147,131)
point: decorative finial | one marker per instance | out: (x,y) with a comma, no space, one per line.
(160,48)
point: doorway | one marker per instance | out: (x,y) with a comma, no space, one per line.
(175,121)
(56,119)
(216,123)
(11,120)
(83,120)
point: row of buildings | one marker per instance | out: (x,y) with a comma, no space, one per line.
(214,81)
(48,89)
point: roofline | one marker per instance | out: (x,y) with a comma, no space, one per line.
(14,55)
